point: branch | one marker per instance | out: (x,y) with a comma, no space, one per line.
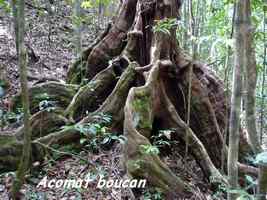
(64,153)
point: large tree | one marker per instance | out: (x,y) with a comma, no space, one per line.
(138,74)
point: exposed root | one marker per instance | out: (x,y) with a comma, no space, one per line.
(43,123)
(115,103)
(112,45)
(195,145)
(59,94)
(90,96)
(139,112)
(77,70)
(10,152)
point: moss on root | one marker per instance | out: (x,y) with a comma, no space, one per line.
(59,94)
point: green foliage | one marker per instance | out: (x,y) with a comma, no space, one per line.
(97,134)
(2,91)
(103,118)
(165,25)
(32,195)
(45,103)
(87,4)
(5,6)
(141,103)
(261,158)
(135,164)
(77,21)
(42,96)
(93,175)
(7,117)
(149,149)
(153,194)
(163,138)
(94,3)
(242,193)
(11,117)
(113,137)
(3,83)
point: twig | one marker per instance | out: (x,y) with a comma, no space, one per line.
(35,7)
(64,153)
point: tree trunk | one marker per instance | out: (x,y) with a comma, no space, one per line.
(15,22)
(262,189)
(236,100)
(251,80)
(77,20)
(263,73)
(139,75)
(22,60)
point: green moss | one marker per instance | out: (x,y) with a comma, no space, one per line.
(6,140)
(135,165)
(142,106)
(59,93)
(4,83)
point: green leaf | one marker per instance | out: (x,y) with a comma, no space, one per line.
(83,140)
(122,139)
(87,4)
(68,127)
(261,158)
(2,92)
(249,179)
(238,191)
(106,140)
(149,149)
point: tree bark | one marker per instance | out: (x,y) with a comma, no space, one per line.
(236,100)
(22,60)
(251,80)
(262,188)
(78,27)
(263,73)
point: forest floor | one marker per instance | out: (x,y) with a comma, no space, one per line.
(50,49)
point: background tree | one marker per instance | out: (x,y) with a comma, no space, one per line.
(234,123)
(22,61)
(250,78)
(262,179)
(78,27)
(263,72)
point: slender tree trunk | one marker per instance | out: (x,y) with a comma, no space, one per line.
(262,184)
(263,73)
(234,123)
(48,6)
(250,79)
(193,29)
(22,60)
(186,23)
(262,189)
(78,27)
(227,71)
(15,21)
